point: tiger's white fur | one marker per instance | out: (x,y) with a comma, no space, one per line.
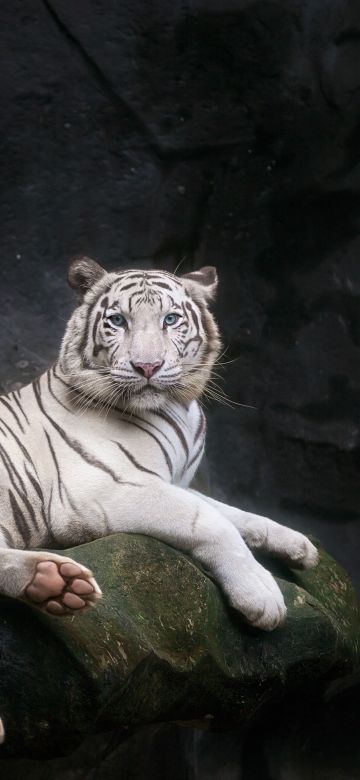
(109,440)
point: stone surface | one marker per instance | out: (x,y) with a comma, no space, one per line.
(164,646)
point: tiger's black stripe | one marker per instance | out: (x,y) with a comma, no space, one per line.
(19,443)
(194,315)
(135,462)
(51,448)
(60,379)
(209,330)
(36,485)
(50,503)
(175,427)
(75,445)
(30,509)
(16,399)
(140,275)
(154,275)
(89,313)
(201,426)
(7,535)
(21,492)
(155,427)
(19,519)
(70,501)
(152,435)
(10,468)
(127,287)
(53,394)
(162,284)
(130,301)
(9,408)
(193,459)
(95,325)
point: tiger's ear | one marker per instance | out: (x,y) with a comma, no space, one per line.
(202,284)
(83,272)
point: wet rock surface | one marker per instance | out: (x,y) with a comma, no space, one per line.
(163,645)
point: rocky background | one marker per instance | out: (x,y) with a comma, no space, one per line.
(220,132)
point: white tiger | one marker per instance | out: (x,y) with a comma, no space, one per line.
(109,440)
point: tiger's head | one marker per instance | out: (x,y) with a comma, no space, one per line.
(139,338)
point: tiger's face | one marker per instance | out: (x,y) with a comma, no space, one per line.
(139,338)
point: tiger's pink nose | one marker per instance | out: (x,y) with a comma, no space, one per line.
(147,369)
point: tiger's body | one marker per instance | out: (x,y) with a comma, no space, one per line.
(109,439)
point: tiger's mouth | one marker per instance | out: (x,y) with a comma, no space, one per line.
(136,387)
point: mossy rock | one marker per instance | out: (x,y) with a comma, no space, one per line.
(164,645)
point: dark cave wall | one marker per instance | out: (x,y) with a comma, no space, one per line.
(206,132)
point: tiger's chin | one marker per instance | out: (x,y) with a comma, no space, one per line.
(146,400)
(151,398)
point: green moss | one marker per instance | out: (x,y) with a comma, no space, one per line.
(164,643)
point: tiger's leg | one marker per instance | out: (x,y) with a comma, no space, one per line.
(266,535)
(54,583)
(187,522)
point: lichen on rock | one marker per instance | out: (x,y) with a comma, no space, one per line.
(163,645)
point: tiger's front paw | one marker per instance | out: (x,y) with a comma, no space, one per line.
(293,547)
(258,597)
(301,553)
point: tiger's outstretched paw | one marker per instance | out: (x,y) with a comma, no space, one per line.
(301,553)
(293,547)
(258,597)
(62,586)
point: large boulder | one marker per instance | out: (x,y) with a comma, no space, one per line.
(164,645)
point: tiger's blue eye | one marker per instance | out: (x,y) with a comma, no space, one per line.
(117,319)
(170,319)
